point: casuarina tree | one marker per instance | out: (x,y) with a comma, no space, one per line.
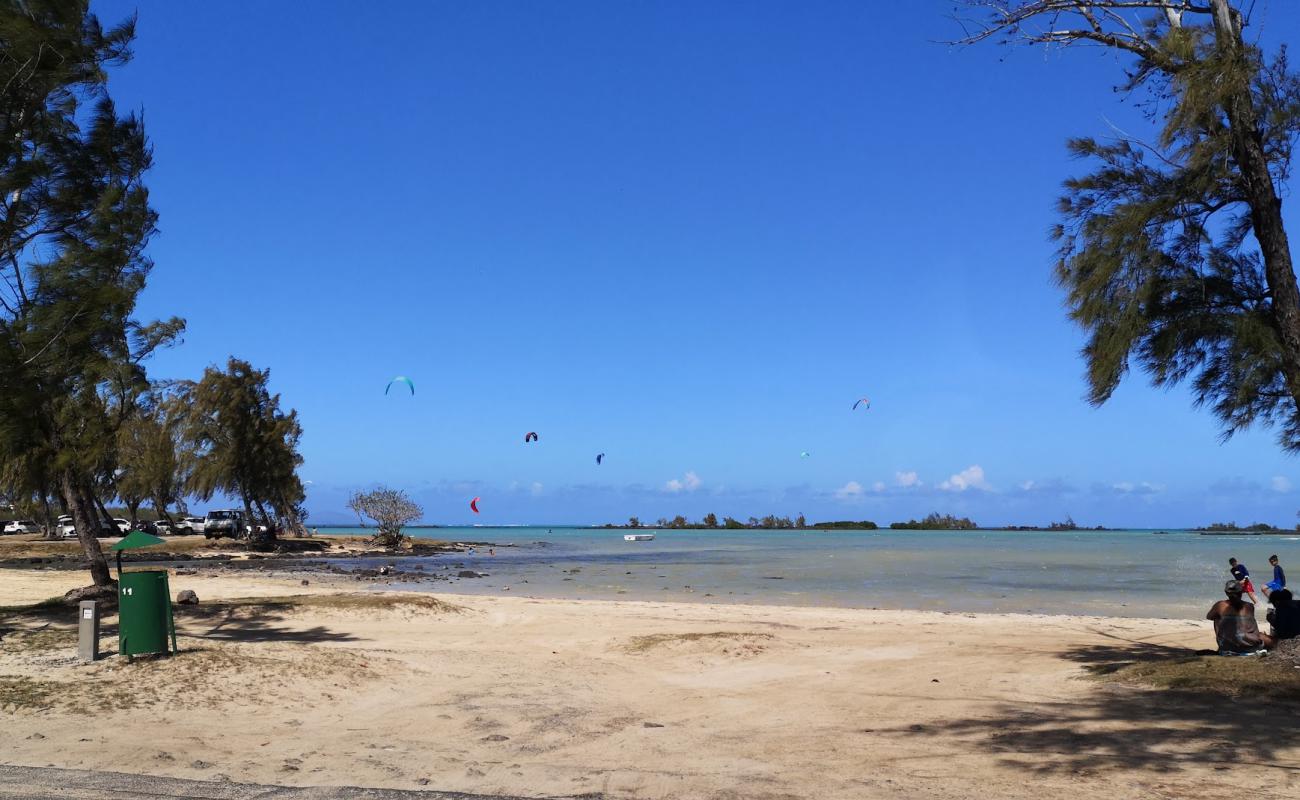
(74,223)
(238,442)
(1174,252)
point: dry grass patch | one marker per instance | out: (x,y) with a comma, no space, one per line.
(39,640)
(1257,677)
(348,602)
(28,694)
(726,642)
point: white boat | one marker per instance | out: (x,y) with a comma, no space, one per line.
(638,537)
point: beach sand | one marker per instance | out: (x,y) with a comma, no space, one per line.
(627,699)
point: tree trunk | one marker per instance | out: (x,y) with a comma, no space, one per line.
(160,510)
(1265,205)
(105,518)
(86,519)
(249,534)
(50,522)
(133,511)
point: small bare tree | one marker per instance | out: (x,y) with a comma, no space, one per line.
(390,509)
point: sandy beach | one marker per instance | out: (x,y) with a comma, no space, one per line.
(330,686)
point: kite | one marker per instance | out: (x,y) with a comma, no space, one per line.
(804,454)
(531,436)
(401,379)
(473,505)
(599,458)
(866,400)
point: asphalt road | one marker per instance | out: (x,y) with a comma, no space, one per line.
(40,783)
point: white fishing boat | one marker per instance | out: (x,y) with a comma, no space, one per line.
(638,537)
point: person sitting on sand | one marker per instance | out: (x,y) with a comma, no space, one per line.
(1284,616)
(1242,575)
(1234,623)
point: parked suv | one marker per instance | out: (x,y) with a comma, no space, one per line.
(224,522)
(22,526)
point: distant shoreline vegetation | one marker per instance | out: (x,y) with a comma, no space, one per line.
(932,522)
(1232,527)
(936,522)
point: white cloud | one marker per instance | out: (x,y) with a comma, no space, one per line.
(1280,484)
(879,486)
(970,478)
(536,489)
(1028,486)
(689,483)
(849,491)
(1141,488)
(907,479)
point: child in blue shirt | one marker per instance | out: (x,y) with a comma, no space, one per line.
(1279,577)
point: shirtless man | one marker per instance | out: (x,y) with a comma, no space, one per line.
(1235,629)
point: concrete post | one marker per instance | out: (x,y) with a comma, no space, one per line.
(88,631)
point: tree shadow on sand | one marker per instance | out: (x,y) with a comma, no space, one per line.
(251,622)
(1124,727)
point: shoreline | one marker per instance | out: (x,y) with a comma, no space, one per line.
(26,584)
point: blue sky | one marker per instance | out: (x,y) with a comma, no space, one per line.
(687,235)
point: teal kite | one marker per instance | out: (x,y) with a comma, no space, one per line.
(401,379)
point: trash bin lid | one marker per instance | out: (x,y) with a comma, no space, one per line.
(136,539)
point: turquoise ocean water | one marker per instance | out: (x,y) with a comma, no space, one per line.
(1107,573)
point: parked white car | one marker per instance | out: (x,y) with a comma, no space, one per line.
(122,525)
(163,528)
(68,530)
(186,526)
(22,526)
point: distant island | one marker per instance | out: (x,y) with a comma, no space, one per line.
(932,522)
(1258,527)
(710,522)
(1068,525)
(1232,528)
(936,522)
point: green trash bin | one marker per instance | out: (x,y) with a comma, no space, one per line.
(144,604)
(145,623)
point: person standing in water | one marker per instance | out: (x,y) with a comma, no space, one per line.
(1242,576)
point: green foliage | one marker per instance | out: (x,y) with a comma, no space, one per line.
(391,510)
(241,444)
(936,522)
(771,521)
(1232,526)
(1158,243)
(74,223)
(148,464)
(633,522)
(865,525)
